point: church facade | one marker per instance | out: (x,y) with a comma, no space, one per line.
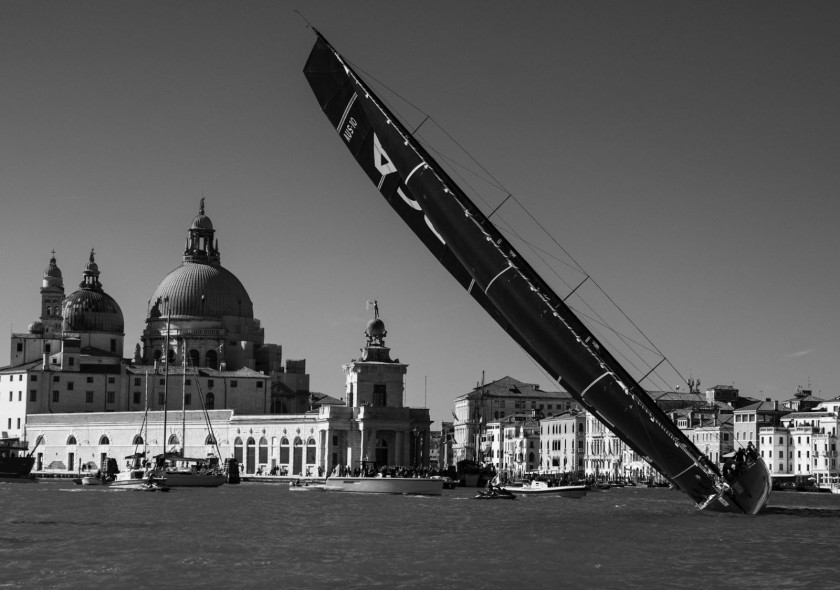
(201,382)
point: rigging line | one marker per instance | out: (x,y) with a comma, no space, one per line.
(499,206)
(420,125)
(586,278)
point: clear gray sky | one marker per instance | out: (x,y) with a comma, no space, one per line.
(685,152)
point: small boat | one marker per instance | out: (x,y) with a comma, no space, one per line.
(296,486)
(15,464)
(541,488)
(92,480)
(420,486)
(192,473)
(495,494)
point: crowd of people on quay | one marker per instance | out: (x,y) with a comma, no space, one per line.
(371,470)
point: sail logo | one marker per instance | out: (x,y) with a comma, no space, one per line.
(383,164)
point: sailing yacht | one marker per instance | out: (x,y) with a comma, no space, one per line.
(467,243)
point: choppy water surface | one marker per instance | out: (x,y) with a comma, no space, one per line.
(58,535)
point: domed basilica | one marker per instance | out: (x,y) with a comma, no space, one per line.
(202,355)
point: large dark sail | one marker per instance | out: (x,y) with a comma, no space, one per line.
(464,240)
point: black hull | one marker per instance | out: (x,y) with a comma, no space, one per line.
(16,467)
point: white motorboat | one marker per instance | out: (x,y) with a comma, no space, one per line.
(541,488)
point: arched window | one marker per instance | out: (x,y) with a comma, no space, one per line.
(71,440)
(138,440)
(157,355)
(194,358)
(284,451)
(103,440)
(170,356)
(263,456)
(211,401)
(310,451)
(173,439)
(210,440)
(251,455)
(211,359)
(237,450)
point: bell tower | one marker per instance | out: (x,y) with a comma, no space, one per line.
(52,294)
(375,379)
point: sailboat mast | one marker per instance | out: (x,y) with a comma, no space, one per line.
(184,408)
(166,375)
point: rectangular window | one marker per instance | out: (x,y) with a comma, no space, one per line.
(11,396)
(160,399)
(90,379)
(48,348)
(33,395)
(137,397)
(136,381)
(55,378)
(188,399)
(111,397)
(88,397)
(18,422)
(113,345)
(234,383)
(259,384)
(69,386)
(188,381)
(10,423)
(33,378)
(209,383)
(163,381)
(20,396)
(379,395)
(112,380)
(71,361)
(20,346)
(55,396)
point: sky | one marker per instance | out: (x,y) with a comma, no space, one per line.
(685,153)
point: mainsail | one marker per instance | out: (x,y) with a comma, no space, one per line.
(474,251)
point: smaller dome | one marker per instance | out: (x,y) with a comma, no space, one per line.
(376,328)
(36,327)
(89,310)
(201,222)
(52,271)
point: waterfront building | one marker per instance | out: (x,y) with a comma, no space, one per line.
(604,451)
(495,401)
(776,450)
(520,445)
(563,443)
(752,418)
(69,389)
(813,442)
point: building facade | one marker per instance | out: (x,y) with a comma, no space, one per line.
(69,390)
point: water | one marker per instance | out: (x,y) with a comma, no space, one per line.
(58,535)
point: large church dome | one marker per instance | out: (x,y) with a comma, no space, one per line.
(90,309)
(201,290)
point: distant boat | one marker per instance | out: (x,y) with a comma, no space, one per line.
(484,262)
(15,464)
(419,486)
(541,488)
(192,473)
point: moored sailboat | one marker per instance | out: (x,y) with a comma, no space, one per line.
(483,261)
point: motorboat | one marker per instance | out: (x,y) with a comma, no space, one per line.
(421,486)
(541,488)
